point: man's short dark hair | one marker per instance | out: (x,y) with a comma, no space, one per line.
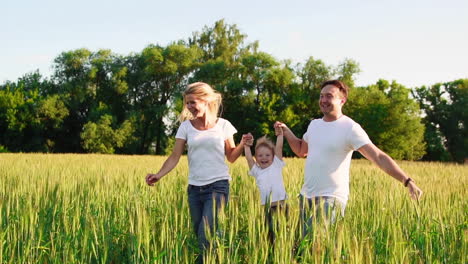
(344,89)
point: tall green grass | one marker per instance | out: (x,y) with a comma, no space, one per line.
(98,209)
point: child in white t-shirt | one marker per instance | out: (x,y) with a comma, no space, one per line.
(267,170)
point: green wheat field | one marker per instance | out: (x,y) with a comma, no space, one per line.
(72,208)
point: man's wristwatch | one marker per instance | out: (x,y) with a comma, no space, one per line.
(408,181)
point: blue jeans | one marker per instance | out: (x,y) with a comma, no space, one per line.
(203,201)
(322,208)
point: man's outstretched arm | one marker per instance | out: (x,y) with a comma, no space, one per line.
(389,166)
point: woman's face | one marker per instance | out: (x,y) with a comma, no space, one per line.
(195,105)
(264,157)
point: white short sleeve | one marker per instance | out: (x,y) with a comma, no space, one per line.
(182,131)
(358,137)
(228,129)
(254,171)
(304,137)
(279,163)
(306,134)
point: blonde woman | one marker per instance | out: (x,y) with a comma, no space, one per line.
(209,139)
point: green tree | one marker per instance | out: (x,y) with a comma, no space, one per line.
(256,87)
(101,137)
(311,76)
(444,106)
(222,42)
(155,77)
(72,71)
(222,48)
(87,80)
(267,88)
(347,70)
(29,118)
(390,117)
(51,113)
(107,76)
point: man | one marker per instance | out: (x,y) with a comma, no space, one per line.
(328,144)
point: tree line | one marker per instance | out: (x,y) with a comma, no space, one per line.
(102,102)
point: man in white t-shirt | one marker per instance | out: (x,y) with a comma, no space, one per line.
(328,145)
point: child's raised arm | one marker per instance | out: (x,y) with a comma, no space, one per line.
(248,139)
(279,142)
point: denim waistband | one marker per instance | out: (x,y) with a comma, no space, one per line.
(190,186)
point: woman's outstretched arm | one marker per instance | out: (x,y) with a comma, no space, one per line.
(169,164)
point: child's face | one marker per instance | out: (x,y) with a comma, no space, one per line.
(264,157)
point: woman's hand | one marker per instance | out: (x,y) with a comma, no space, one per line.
(151,179)
(247,139)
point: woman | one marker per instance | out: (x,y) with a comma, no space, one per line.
(209,140)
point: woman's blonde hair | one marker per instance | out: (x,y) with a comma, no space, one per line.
(202,91)
(265,142)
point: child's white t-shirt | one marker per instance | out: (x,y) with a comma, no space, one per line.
(270,181)
(206,151)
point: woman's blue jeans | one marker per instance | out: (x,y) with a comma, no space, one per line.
(205,202)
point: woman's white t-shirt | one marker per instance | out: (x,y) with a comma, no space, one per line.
(270,181)
(206,151)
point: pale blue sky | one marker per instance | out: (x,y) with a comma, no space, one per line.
(417,42)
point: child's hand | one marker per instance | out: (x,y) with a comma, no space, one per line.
(278,131)
(280,124)
(248,139)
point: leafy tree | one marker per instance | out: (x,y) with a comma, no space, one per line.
(311,76)
(72,76)
(155,77)
(100,137)
(222,48)
(107,77)
(444,106)
(28,117)
(347,70)
(267,88)
(390,118)
(222,42)
(256,87)
(50,114)
(86,81)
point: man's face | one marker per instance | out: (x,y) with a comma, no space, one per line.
(331,100)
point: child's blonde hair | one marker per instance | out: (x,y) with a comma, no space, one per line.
(202,91)
(265,142)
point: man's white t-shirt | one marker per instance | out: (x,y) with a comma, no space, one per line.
(206,152)
(330,147)
(270,181)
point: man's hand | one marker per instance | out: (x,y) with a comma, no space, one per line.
(414,191)
(279,124)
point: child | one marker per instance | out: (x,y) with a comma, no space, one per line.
(267,170)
